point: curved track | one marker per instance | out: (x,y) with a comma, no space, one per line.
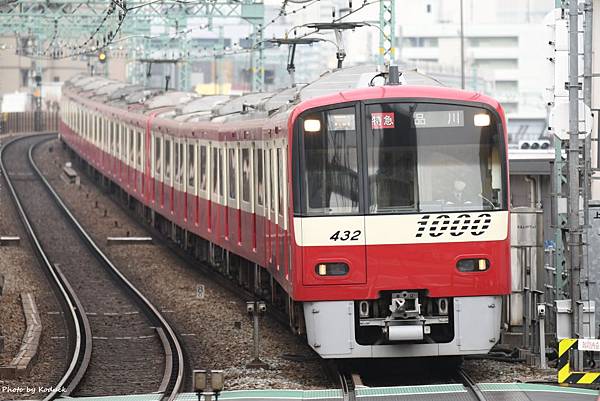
(471,386)
(128,330)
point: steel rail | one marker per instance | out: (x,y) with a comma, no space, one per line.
(471,386)
(77,321)
(174,361)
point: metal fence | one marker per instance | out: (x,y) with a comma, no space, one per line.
(28,121)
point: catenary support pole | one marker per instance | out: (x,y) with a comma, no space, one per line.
(573,162)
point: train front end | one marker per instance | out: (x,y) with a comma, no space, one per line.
(401,222)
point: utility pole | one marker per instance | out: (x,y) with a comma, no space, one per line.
(573,167)
(462,47)
(387,32)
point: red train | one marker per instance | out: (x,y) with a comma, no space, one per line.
(376,215)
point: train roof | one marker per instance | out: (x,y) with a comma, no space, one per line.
(360,76)
(169,99)
(240,104)
(190,107)
(122,92)
(201,104)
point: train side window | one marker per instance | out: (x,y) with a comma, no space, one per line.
(118,141)
(245,163)
(176,157)
(181,162)
(131,147)
(222,174)
(273,179)
(167,158)
(101,139)
(112,138)
(139,144)
(215,170)
(260,179)
(124,142)
(203,168)
(192,162)
(157,157)
(232,178)
(280,185)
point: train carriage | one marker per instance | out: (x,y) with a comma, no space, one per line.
(376,215)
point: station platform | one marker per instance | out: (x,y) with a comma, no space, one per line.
(442,392)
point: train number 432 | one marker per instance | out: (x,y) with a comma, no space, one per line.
(345,235)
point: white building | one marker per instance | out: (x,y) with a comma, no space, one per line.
(503,44)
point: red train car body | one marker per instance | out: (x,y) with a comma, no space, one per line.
(377,216)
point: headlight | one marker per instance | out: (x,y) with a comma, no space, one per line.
(332,269)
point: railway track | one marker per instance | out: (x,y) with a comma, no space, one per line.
(471,386)
(350,380)
(118,341)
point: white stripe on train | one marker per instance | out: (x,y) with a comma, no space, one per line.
(426,228)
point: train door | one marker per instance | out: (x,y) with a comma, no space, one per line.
(214,204)
(273,220)
(129,158)
(260,212)
(139,163)
(158,188)
(168,172)
(177,162)
(124,129)
(281,171)
(181,177)
(246,212)
(203,200)
(332,225)
(233,207)
(191,191)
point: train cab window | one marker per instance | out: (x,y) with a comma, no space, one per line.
(191,162)
(260,184)
(245,163)
(329,173)
(432,158)
(139,143)
(157,157)
(203,176)
(167,159)
(232,179)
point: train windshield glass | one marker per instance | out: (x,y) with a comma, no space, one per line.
(425,157)
(402,158)
(330,178)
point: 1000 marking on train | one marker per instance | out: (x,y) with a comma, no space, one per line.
(455,226)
